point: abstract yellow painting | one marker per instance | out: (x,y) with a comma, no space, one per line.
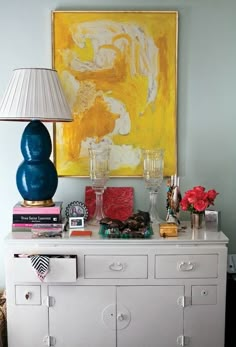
(119,73)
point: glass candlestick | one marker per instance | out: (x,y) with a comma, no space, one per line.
(99,174)
(153,165)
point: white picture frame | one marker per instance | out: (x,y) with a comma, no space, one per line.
(76,222)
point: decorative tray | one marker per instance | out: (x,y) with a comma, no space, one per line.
(137,226)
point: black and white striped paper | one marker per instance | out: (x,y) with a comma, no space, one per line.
(40,264)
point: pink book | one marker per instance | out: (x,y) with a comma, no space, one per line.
(22,225)
(56,209)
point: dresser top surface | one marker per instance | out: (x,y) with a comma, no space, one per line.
(186,236)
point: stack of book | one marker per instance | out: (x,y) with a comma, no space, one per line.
(26,218)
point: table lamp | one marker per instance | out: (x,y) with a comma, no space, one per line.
(35,95)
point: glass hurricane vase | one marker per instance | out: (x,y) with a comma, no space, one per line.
(99,174)
(153,164)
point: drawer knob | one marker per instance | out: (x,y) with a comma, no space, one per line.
(116,266)
(186,266)
(27,295)
(204,292)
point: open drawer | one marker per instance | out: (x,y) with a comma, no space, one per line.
(62,268)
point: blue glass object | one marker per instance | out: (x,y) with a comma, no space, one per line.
(36,177)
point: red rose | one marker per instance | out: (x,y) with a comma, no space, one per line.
(197,199)
(184,204)
(191,196)
(212,194)
(200,193)
(200,205)
(199,189)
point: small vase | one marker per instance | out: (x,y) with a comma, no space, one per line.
(197,220)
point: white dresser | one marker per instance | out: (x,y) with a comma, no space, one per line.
(126,293)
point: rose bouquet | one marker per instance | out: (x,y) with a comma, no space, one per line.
(197,200)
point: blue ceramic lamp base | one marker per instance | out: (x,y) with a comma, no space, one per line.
(36,176)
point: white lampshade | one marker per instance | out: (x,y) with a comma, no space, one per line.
(35,94)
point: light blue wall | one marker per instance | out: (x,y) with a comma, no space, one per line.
(206,98)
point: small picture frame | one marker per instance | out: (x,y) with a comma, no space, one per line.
(213,220)
(76,222)
(76,209)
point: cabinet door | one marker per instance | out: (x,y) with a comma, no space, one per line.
(204,319)
(149,316)
(82,316)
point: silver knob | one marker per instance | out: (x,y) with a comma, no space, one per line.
(120,317)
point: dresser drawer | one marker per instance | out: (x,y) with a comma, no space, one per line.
(115,266)
(186,266)
(61,269)
(28,295)
(204,295)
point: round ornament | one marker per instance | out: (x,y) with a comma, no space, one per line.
(76,209)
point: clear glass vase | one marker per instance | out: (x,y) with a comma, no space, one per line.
(99,212)
(153,209)
(99,174)
(153,165)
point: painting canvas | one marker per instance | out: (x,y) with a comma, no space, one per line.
(119,73)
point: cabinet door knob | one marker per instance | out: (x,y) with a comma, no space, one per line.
(186,266)
(120,317)
(116,266)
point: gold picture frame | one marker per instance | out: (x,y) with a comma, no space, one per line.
(119,73)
